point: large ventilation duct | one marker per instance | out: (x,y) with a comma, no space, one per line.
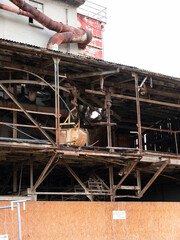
(65,33)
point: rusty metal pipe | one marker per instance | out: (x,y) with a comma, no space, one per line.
(79,36)
(42,18)
(65,33)
(14,10)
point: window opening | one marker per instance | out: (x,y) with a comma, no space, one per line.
(39,6)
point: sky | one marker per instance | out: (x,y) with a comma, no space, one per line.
(143,34)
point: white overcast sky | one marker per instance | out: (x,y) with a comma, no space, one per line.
(144,34)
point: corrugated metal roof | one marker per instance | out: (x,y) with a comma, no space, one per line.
(90,60)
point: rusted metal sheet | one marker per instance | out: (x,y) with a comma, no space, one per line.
(73,136)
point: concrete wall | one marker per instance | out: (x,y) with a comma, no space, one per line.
(87,221)
(17,28)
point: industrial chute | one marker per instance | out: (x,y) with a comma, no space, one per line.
(71,133)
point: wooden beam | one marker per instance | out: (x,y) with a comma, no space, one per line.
(31,173)
(111,182)
(92,74)
(120,96)
(126,196)
(71,193)
(30,108)
(27,68)
(15,113)
(14,178)
(151,91)
(124,187)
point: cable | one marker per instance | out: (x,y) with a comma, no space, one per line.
(21,131)
(67,107)
(43,80)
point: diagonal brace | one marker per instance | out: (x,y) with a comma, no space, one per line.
(78,180)
(142,83)
(153,178)
(26,113)
(41,177)
(126,175)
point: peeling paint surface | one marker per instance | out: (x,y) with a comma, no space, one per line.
(95,47)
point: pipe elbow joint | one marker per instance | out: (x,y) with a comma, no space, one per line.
(88,40)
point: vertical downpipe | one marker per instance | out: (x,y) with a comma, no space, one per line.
(67,22)
(57,104)
(138,112)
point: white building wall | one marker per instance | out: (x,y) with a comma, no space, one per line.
(17,28)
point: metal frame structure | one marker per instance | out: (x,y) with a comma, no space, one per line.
(94,84)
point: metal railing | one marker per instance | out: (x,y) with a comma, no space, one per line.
(16,204)
(175,133)
(93,10)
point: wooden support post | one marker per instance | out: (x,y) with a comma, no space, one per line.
(90,196)
(126,175)
(138,175)
(111,183)
(176,143)
(14,178)
(153,178)
(138,112)
(41,177)
(15,114)
(31,173)
(57,103)
(108,116)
